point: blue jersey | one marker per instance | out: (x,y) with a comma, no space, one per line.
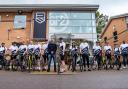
(85,50)
(116,51)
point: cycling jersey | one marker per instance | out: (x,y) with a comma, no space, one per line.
(108,50)
(73,51)
(37,49)
(124,48)
(30,49)
(22,49)
(96,50)
(116,51)
(84,48)
(13,49)
(2,50)
(45,48)
(62,48)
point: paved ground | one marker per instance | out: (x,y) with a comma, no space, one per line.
(88,80)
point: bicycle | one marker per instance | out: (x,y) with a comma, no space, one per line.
(14,62)
(29,62)
(81,63)
(74,63)
(58,65)
(108,63)
(7,61)
(22,62)
(58,60)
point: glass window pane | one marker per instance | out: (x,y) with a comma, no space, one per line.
(70,15)
(87,30)
(82,15)
(93,16)
(60,29)
(93,22)
(94,29)
(59,22)
(71,22)
(80,23)
(70,30)
(94,36)
(59,15)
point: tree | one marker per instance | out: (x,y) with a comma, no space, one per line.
(100,21)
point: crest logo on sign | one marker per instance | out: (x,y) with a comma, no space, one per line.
(40,17)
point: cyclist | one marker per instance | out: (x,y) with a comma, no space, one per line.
(62,51)
(3,49)
(52,47)
(117,56)
(30,50)
(97,52)
(37,52)
(124,52)
(14,49)
(74,54)
(45,53)
(84,50)
(108,50)
(22,52)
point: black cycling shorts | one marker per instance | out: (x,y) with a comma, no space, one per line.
(13,57)
(37,57)
(62,57)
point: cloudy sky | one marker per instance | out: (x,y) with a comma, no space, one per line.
(108,7)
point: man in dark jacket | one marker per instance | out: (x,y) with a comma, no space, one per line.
(52,47)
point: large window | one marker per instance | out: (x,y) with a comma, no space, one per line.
(115,35)
(71,22)
(126,19)
(20,21)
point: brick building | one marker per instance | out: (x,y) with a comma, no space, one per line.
(116,30)
(25,22)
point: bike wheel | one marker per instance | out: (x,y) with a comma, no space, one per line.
(23,64)
(29,64)
(58,70)
(81,65)
(73,64)
(58,66)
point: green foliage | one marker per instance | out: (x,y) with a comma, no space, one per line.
(100,21)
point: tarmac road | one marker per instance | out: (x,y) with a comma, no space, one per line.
(111,79)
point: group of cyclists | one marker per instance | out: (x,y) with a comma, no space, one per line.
(36,56)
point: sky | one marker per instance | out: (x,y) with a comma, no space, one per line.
(107,7)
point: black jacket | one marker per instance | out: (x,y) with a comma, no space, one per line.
(52,48)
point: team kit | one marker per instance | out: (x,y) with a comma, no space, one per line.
(36,56)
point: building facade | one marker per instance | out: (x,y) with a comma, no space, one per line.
(37,22)
(116,30)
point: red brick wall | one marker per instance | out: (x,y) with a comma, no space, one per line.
(8,22)
(120,26)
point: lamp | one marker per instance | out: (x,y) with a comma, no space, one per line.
(18,37)
(7,15)
(20,12)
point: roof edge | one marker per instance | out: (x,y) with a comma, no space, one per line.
(111,18)
(43,5)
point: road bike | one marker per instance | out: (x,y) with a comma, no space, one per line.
(30,62)
(81,63)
